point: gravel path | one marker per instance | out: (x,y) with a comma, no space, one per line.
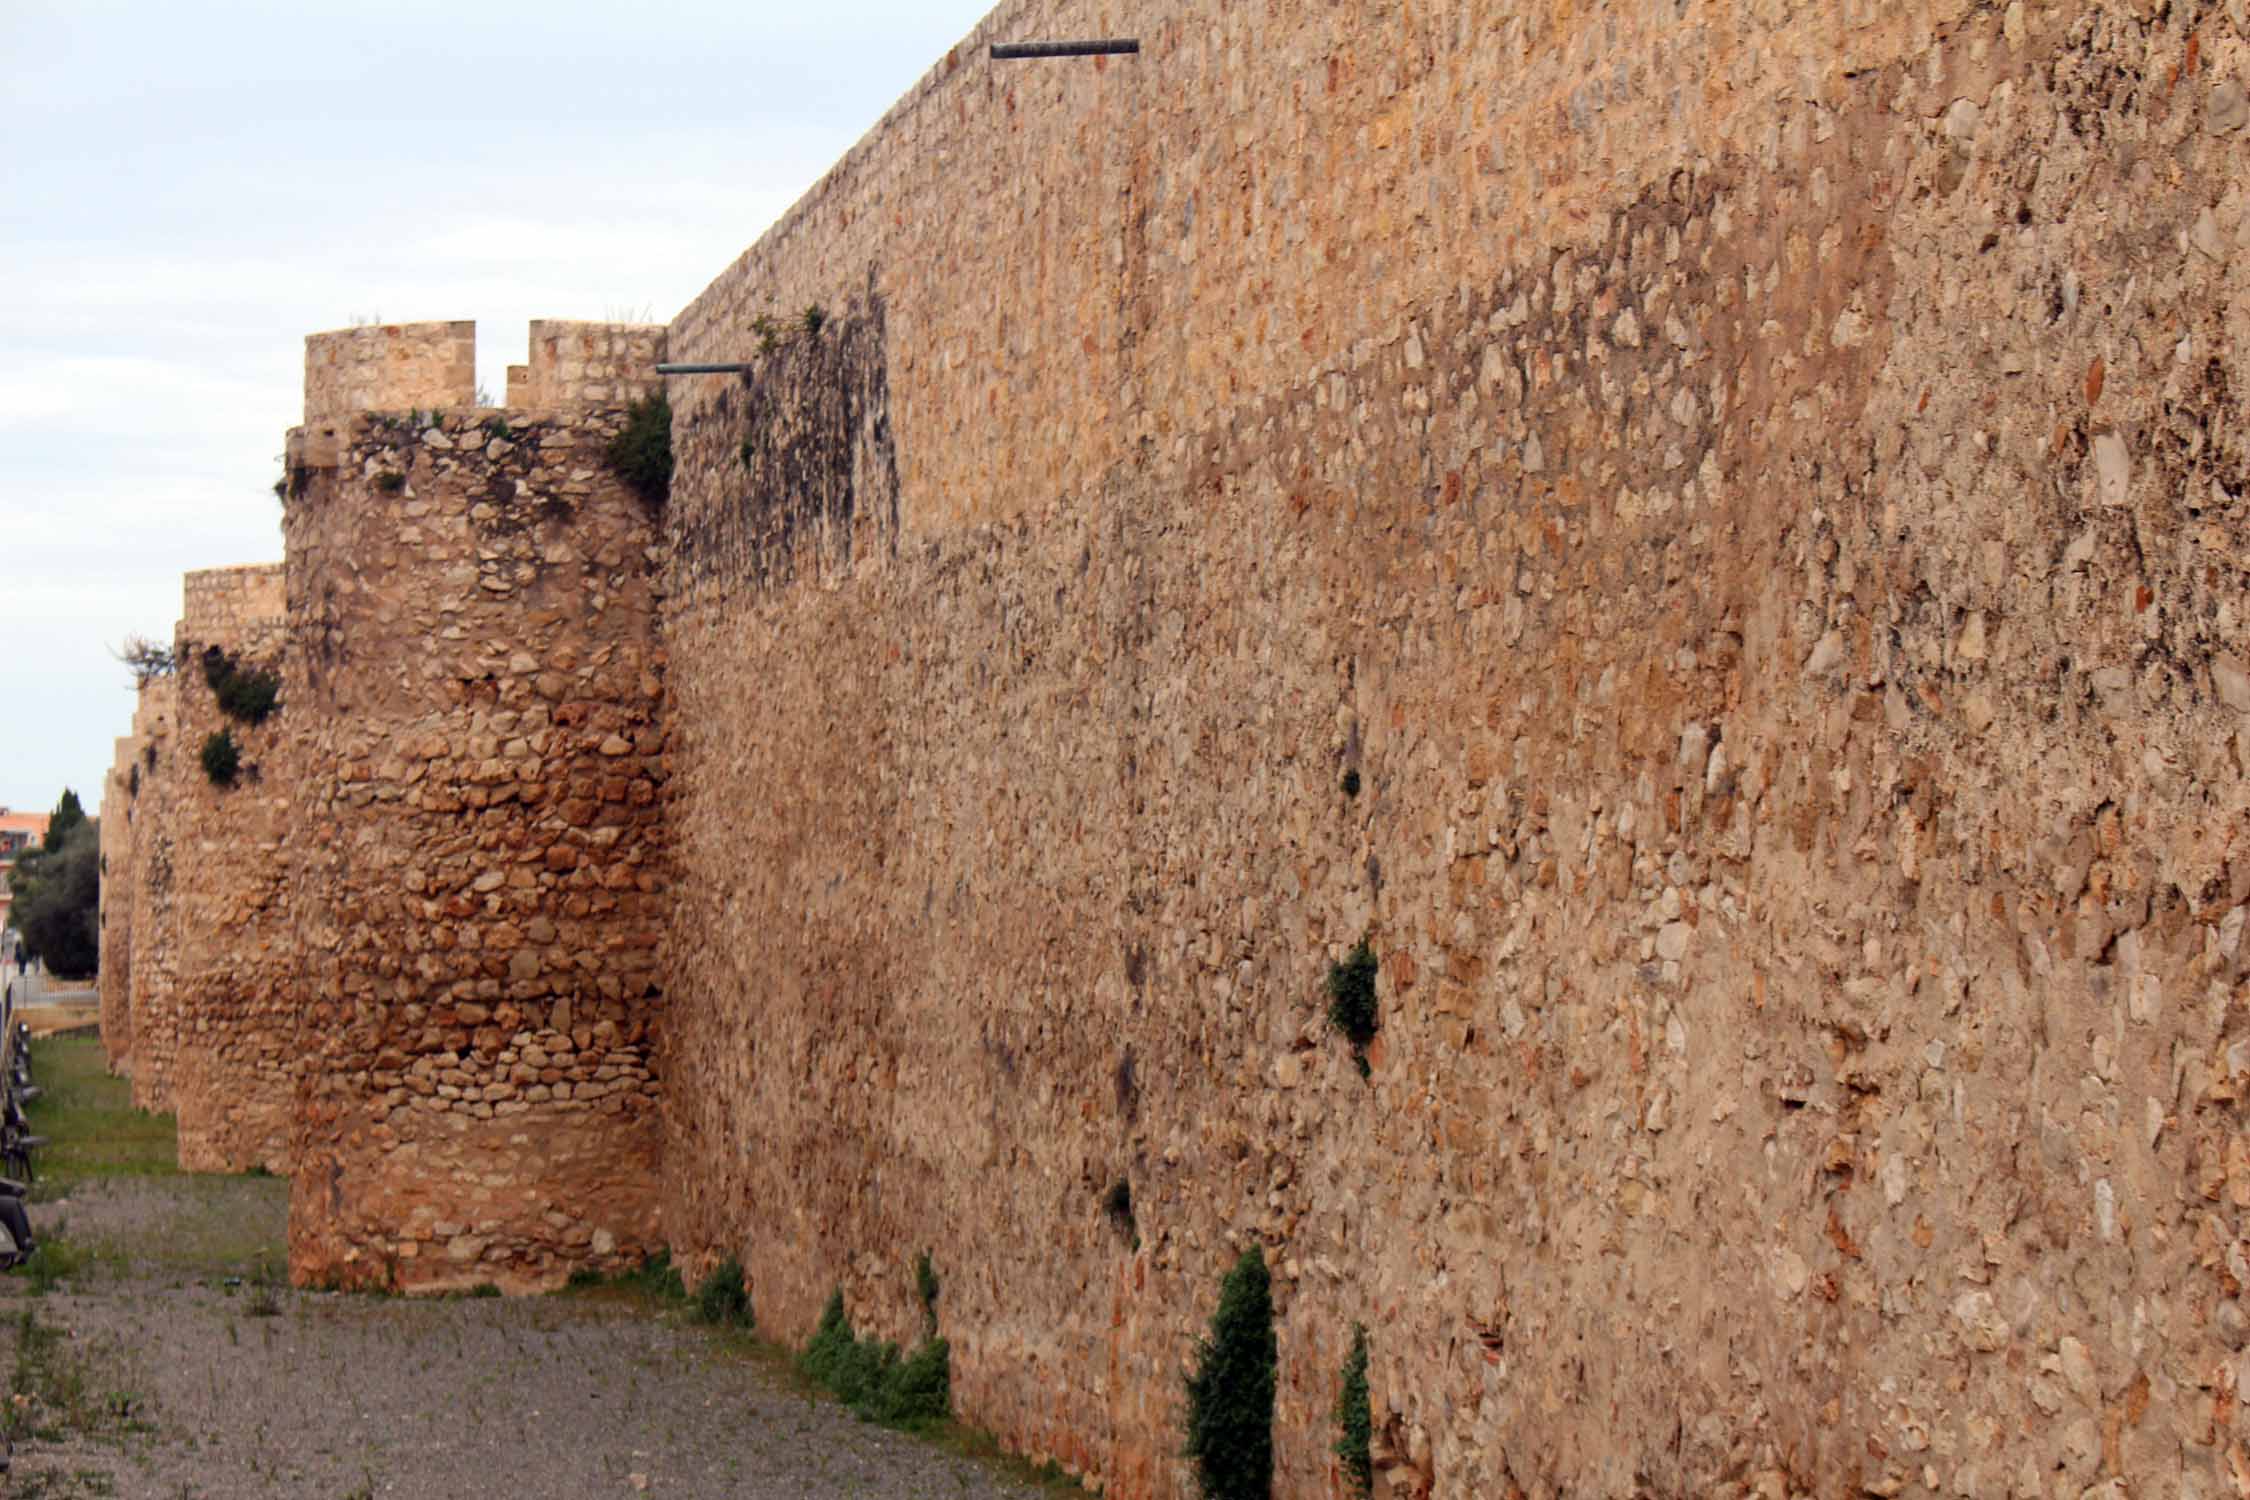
(192,1376)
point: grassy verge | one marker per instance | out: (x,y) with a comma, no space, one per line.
(88,1118)
(216,1228)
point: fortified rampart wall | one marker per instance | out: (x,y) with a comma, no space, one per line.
(234,1011)
(1752,500)
(474,695)
(151,929)
(120,787)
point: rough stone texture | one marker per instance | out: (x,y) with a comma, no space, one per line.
(119,789)
(389,367)
(575,365)
(125,845)
(1756,494)
(233,1070)
(151,930)
(475,686)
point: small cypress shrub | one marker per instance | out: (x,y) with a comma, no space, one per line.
(1355,1421)
(222,758)
(641,453)
(722,1298)
(1351,1000)
(1230,1395)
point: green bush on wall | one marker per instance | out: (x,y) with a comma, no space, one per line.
(641,453)
(1355,1419)
(1230,1395)
(868,1375)
(1351,1000)
(245,693)
(222,758)
(722,1297)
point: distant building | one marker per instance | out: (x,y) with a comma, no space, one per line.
(18,831)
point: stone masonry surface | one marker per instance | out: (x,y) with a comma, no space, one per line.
(234,1013)
(474,689)
(1756,494)
(149,1037)
(1750,500)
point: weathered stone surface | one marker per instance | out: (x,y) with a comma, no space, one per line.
(472,1107)
(231,1034)
(1758,1129)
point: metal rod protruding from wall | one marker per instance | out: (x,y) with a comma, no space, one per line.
(704,369)
(1111,47)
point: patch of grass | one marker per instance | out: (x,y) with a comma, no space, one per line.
(722,1298)
(870,1377)
(1230,1394)
(1355,1419)
(55,1261)
(56,1393)
(1351,1000)
(89,1121)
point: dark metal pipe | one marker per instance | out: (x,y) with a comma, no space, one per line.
(1112,47)
(704,369)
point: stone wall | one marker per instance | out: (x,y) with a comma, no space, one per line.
(120,787)
(151,932)
(474,696)
(1752,500)
(389,367)
(233,1071)
(576,365)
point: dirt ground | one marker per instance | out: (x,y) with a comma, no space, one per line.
(157,1352)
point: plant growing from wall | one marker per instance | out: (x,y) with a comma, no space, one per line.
(926,1288)
(641,453)
(868,1375)
(815,317)
(1230,1394)
(1118,1204)
(147,660)
(390,482)
(723,1298)
(1351,782)
(1351,1000)
(244,693)
(222,758)
(1355,1418)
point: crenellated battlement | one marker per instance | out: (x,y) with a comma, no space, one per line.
(223,601)
(389,367)
(578,365)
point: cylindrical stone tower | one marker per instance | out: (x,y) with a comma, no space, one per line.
(477,683)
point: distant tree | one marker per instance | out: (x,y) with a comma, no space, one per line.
(58,898)
(68,814)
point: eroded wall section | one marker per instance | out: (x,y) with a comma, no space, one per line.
(475,698)
(1751,498)
(232,1073)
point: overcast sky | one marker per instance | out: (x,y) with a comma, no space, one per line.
(186,191)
